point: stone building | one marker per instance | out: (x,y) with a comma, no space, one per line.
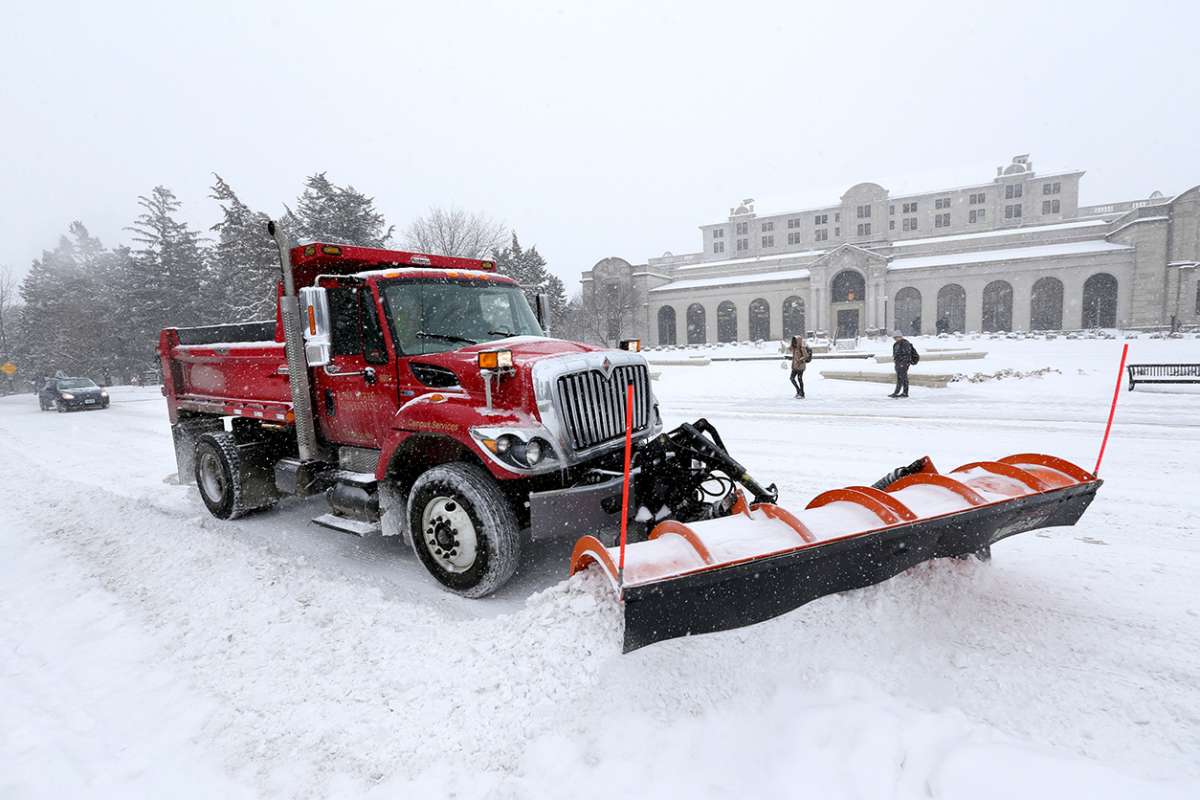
(1017,252)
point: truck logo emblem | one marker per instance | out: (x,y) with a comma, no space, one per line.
(606,365)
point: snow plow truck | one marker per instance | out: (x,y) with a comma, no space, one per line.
(424,398)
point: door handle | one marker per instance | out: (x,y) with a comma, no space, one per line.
(368,373)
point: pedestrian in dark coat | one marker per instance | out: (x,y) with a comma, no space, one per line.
(904,355)
(801,355)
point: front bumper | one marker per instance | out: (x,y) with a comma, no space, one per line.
(83,403)
(592,509)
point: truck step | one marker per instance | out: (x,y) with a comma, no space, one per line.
(354,527)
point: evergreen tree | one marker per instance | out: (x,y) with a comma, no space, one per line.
(63,321)
(244,261)
(528,268)
(167,271)
(327,212)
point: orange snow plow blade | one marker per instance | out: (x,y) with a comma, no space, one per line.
(762,561)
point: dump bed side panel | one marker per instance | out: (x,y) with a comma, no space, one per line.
(204,372)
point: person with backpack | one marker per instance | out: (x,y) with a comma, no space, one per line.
(904,355)
(801,355)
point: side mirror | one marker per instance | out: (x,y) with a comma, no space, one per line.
(541,306)
(314,316)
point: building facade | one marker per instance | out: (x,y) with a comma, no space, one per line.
(1015,253)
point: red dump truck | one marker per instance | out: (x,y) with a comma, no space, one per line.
(422,396)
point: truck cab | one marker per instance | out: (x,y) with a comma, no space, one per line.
(439,410)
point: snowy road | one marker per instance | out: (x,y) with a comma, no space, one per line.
(148,649)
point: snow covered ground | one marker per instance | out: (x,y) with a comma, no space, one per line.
(147,649)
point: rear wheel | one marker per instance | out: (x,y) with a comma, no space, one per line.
(464,529)
(229,486)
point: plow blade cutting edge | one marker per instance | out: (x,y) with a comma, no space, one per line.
(762,561)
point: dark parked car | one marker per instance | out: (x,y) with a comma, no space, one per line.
(69,394)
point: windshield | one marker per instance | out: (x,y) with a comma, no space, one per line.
(76,383)
(433,316)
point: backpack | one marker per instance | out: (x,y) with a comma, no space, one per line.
(916,357)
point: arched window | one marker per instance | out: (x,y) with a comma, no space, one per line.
(696,325)
(849,287)
(908,310)
(760,320)
(726,322)
(997,306)
(666,325)
(793,317)
(1046,305)
(951,309)
(1100,301)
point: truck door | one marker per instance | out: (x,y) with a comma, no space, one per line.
(355,394)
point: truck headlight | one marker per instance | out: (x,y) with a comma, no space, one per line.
(516,447)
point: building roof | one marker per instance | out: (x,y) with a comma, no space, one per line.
(736,262)
(734,280)
(963,237)
(1009,254)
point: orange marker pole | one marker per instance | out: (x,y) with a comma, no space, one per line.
(625,487)
(1112,412)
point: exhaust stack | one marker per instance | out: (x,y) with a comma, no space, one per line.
(306,431)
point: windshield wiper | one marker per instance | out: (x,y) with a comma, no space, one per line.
(501,333)
(445,337)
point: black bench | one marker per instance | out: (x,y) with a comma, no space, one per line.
(1163,373)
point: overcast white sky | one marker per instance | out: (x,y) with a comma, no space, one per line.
(593,128)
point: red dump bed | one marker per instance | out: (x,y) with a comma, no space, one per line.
(237,370)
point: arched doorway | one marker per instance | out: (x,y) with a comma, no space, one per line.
(908,310)
(726,322)
(696,324)
(951,309)
(760,320)
(1100,301)
(848,292)
(793,317)
(997,307)
(666,325)
(1046,305)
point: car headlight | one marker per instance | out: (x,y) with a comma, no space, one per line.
(103,394)
(68,396)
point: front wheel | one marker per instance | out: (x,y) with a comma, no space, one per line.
(464,529)
(61,407)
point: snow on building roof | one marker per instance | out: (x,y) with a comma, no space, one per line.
(1008,254)
(961,237)
(733,262)
(733,280)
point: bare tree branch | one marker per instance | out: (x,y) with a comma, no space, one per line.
(454,232)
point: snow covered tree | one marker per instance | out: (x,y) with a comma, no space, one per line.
(331,213)
(528,268)
(454,232)
(168,271)
(8,305)
(244,263)
(64,314)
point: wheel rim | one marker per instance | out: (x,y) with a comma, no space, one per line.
(212,478)
(449,534)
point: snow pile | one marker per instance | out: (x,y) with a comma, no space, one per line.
(1004,374)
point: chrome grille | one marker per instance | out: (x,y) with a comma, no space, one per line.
(594,406)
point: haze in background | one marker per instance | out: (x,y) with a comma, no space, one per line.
(597,129)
